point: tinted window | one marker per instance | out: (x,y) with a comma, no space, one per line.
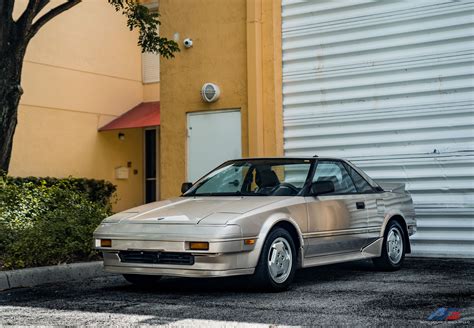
(360,183)
(335,172)
(266,177)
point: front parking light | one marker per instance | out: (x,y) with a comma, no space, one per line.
(106,243)
(199,245)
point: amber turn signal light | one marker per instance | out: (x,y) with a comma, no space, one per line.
(250,241)
(199,245)
(106,243)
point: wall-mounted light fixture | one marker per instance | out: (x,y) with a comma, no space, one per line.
(121,136)
(210,92)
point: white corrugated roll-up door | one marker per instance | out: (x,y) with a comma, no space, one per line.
(390,86)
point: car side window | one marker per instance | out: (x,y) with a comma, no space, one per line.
(295,174)
(335,172)
(360,183)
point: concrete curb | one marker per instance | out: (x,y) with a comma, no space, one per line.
(50,274)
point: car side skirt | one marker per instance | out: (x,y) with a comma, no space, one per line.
(372,250)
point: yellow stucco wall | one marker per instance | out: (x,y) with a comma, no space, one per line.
(151,92)
(237,45)
(264,73)
(81,71)
(272,79)
(218,30)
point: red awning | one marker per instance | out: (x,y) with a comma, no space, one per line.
(141,116)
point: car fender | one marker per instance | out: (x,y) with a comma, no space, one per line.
(390,214)
(267,226)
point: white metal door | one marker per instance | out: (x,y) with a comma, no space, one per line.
(389,85)
(213,138)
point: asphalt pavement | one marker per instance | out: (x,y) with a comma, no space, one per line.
(349,294)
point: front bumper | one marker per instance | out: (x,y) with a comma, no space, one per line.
(227,254)
(212,265)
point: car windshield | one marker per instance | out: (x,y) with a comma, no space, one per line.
(261,177)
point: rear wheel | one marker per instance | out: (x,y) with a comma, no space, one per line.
(141,280)
(393,248)
(277,264)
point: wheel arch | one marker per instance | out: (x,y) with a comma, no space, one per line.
(401,220)
(289,225)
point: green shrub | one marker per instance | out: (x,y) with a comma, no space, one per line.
(99,191)
(46,222)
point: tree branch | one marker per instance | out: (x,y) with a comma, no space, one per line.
(41,5)
(50,15)
(32,10)
(27,16)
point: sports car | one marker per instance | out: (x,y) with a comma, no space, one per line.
(265,218)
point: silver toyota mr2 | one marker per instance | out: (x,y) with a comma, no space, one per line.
(264,217)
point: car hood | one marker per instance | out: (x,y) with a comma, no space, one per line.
(192,210)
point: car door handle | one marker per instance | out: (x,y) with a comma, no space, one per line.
(360,205)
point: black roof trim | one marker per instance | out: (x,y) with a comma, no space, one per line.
(290,157)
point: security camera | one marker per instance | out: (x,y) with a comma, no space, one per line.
(188,43)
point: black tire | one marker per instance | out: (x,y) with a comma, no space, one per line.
(142,280)
(386,262)
(262,278)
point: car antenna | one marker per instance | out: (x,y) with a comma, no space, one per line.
(315,156)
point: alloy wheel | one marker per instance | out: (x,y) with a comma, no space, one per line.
(280,260)
(394,245)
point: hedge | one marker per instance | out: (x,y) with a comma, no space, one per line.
(47,221)
(98,191)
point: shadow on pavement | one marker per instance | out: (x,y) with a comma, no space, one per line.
(349,293)
(243,283)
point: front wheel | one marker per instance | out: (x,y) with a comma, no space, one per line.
(142,280)
(393,248)
(277,264)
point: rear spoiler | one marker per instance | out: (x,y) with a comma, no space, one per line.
(392,187)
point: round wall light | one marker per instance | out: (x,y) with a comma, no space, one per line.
(210,92)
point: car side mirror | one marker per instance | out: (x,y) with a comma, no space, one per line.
(186,186)
(322,187)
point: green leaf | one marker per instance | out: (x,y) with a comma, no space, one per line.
(147,22)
